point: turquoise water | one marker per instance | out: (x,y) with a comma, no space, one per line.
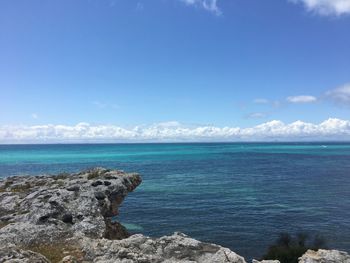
(239,195)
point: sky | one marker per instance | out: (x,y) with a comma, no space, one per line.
(173,70)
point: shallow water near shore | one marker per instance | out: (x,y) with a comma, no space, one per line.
(238,195)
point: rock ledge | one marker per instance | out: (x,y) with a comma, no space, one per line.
(67,218)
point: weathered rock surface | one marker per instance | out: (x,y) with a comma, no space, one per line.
(175,248)
(325,256)
(52,208)
(68,218)
(12,254)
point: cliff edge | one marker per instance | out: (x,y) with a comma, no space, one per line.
(71,218)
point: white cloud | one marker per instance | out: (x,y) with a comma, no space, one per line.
(331,129)
(340,95)
(301,99)
(35,116)
(209,5)
(326,7)
(261,101)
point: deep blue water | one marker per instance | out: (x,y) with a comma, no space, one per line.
(239,195)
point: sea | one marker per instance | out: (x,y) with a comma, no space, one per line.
(238,195)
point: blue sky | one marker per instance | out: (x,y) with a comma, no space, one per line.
(127,63)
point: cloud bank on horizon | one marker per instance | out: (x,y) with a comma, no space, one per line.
(321,7)
(331,129)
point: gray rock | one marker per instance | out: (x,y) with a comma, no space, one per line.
(138,248)
(73,188)
(69,259)
(13,254)
(325,256)
(45,207)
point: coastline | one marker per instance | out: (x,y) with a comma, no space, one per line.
(259,191)
(69,216)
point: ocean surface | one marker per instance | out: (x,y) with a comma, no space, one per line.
(238,195)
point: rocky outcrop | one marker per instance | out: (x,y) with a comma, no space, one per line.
(70,218)
(325,256)
(175,248)
(53,208)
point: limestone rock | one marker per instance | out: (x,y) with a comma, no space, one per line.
(138,248)
(13,254)
(69,259)
(325,256)
(51,208)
